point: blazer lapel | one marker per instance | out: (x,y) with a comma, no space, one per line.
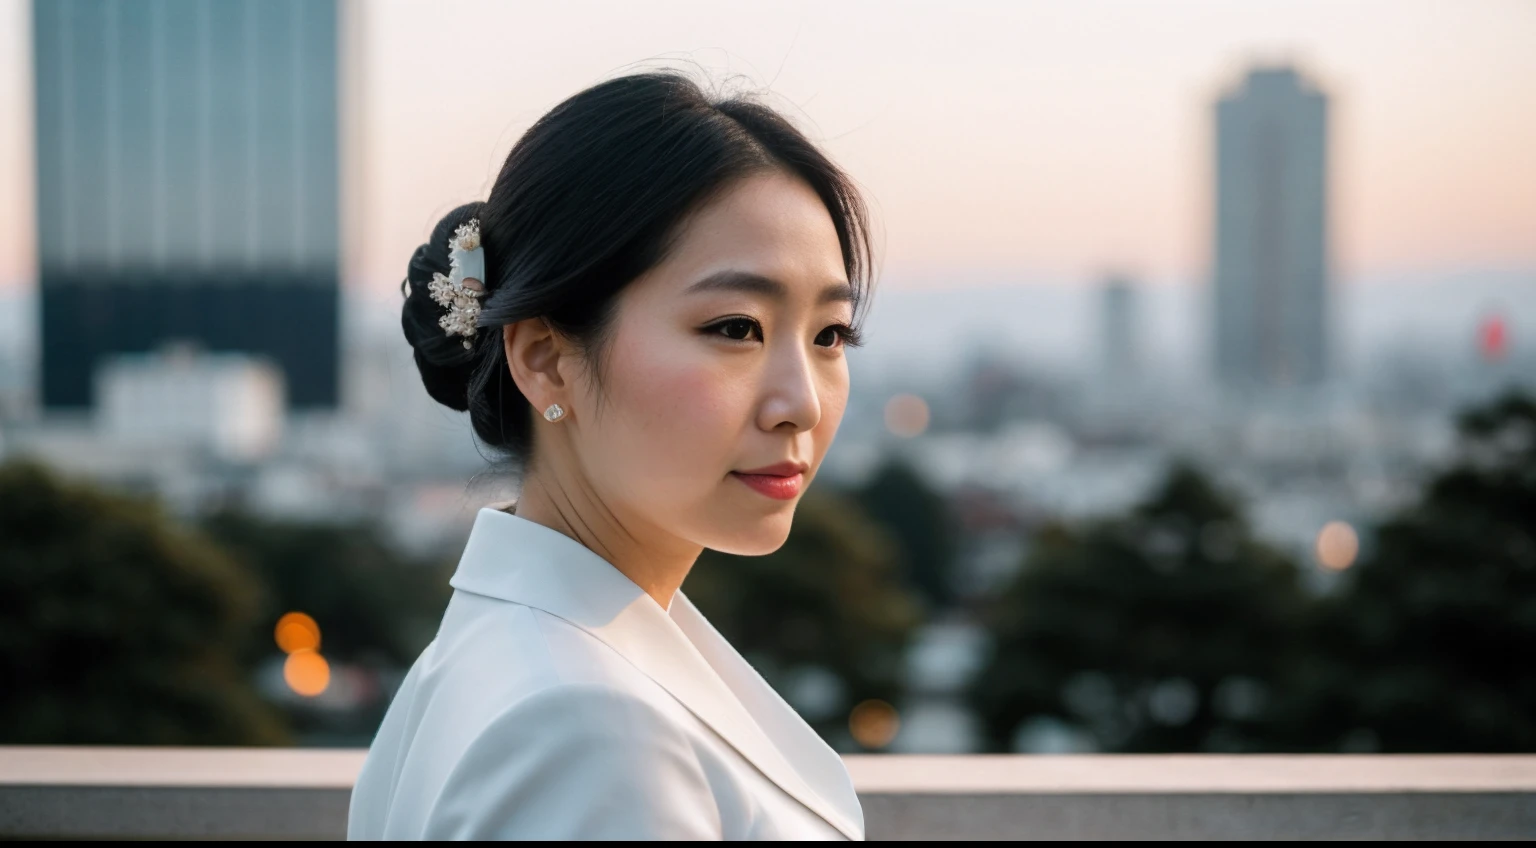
(812,758)
(516,560)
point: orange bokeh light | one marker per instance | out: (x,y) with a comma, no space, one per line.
(307,673)
(297,632)
(906,415)
(1337,546)
(874,723)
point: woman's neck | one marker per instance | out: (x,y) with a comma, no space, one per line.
(654,561)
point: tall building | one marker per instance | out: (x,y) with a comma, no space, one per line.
(187,185)
(1271,263)
(1119,336)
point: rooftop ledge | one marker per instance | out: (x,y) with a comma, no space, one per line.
(140,793)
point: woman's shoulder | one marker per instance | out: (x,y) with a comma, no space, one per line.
(507,651)
(587,759)
(583,717)
(584,760)
(496,665)
(508,703)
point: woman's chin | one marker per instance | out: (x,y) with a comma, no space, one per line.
(754,535)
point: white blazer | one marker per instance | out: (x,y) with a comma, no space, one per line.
(559,700)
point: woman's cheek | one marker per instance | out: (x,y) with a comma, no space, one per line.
(687,402)
(644,365)
(703,398)
(831,419)
(834,396)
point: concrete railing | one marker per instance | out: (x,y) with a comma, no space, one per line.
(138,793)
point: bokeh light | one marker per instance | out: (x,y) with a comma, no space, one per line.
(1493,338)
(296,631)
(1337,546)
(307,673)
(906,415)
(874,723)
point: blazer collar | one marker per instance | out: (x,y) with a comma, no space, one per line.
(514,559)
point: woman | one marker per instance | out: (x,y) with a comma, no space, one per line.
(649,313)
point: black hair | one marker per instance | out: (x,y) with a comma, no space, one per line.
(589,199)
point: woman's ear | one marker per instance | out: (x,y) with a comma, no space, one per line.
(534,351)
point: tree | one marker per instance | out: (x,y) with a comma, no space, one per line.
(825,618)
(372,603)
(117,627)
(1432,633)
(376,608)
(918,520)
(1168,629)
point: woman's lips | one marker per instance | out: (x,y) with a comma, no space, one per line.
(779,487)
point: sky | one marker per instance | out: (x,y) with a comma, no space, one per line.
(999,142)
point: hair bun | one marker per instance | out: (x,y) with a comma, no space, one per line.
(444,363)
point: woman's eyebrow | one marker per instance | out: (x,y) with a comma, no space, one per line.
(750,283)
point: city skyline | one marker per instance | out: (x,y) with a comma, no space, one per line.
(1041,159)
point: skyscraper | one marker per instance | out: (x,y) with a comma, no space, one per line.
(1271,263)
(187,185)
(1119,332)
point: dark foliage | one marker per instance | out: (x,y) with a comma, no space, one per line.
(918,520)
(1166,630)
(373,604)
(117,626)
(831,600)
(1432,636)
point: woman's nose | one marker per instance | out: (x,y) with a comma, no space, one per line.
(790,396)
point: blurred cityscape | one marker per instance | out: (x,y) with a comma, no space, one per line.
(1060,516)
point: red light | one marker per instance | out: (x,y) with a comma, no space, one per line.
(1493,338)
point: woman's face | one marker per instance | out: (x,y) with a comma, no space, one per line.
(725,359)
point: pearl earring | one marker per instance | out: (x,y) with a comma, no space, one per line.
(554,412)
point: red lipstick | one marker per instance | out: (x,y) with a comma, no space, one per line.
(781,482)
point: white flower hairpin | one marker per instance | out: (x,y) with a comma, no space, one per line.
(461,289)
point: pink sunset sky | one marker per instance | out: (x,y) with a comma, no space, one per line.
(1004,140)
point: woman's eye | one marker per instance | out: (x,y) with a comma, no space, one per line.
(838,335)
(737,329)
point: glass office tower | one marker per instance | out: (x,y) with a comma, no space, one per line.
(187,185)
